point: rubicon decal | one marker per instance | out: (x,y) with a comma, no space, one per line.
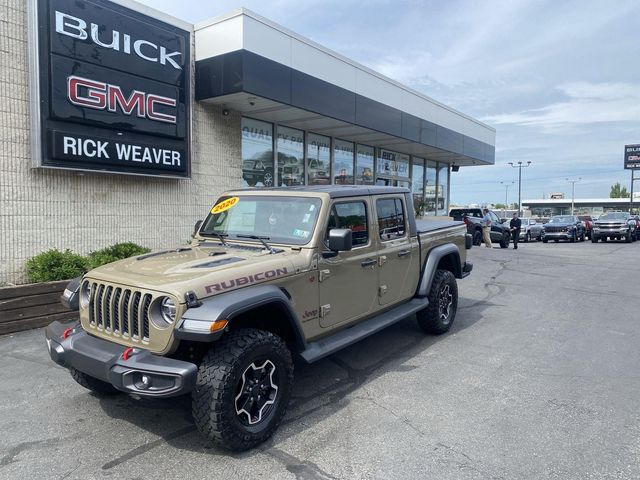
(248,280)
(87,93)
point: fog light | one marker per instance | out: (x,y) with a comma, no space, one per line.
(145,381)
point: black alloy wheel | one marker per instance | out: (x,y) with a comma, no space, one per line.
(438,317)
(267,178)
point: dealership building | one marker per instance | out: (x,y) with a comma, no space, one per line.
(120,123)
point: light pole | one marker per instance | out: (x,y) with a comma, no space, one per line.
(519,166)
(506,195)
(573,192)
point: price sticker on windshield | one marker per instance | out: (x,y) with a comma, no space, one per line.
(224,205)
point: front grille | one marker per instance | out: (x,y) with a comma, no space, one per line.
(554,229)
(120,311)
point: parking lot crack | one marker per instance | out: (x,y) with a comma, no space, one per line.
(13,452)
(302,469)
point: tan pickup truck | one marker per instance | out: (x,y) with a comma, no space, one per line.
(270,273)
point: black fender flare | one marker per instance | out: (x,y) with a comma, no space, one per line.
(230,305)
(431,265)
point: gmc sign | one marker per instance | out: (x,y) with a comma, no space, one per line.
(114,88)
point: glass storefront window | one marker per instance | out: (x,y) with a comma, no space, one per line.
(417,185)
(257,153)
(290,143)
(364,165)
(318,160)
(392,164)
(430,188)
(342,162)
(443,189)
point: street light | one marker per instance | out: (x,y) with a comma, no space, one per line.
(519,166)
(506,195)
(573,191)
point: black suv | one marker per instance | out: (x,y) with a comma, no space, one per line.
(472,217)
(615,225)
(563,227)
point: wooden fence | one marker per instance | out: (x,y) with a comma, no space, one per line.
(32,306)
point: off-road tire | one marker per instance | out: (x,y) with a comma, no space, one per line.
(504,243)
(91,383)
(431,319)
(477,238)
(219,378)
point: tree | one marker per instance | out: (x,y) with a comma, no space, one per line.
(500,206)
(618,191)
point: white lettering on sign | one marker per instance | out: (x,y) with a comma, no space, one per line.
(77,28)
(85,147)
(84,92)
(158,156)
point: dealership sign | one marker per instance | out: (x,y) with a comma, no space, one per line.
(111,89)
(631,156)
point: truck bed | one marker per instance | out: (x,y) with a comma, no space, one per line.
(426,226)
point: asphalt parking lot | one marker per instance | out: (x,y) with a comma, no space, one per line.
(539,378)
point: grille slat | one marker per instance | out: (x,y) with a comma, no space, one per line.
(115,320)
(121,311)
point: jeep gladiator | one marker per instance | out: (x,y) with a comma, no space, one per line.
(270,273)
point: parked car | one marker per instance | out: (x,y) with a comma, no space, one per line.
(472,217)
(225,328)
(615,226)
(563,227)
(256,171)
(530,230)
(636,219)
(587,221)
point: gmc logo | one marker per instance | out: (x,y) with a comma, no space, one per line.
(87,93)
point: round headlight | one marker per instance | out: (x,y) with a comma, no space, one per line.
(85,294)
(168,309)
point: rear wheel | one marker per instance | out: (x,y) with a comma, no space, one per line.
(243,388)
(438,317)
(477,237)
(92,383)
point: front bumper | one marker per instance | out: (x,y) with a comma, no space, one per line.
(558,235)
(165,377)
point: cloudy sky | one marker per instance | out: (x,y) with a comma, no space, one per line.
(559,80)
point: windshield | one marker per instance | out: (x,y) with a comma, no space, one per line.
(561,219)
(288,220)
(614,216)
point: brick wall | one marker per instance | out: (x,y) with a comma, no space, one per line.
(42,209)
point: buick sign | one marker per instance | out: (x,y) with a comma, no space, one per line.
(631,156)
(114,89)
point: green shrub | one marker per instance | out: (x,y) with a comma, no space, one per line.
(55,265)
(115,252)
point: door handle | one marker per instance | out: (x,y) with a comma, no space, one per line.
(404,253)
(369,263)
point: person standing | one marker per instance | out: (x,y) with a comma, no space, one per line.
(515,225)
(486,228)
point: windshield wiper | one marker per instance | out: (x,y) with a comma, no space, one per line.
(261,239)
(220,236)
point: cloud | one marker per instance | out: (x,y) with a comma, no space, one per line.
(587,103)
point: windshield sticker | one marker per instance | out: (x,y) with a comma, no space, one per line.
(306,218)
(312,208)
(301,233)
(224,205)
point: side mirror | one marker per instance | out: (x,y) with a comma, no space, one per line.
(503,220)
(340,239)
(197,226)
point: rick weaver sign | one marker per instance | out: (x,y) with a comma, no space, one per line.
(113,88)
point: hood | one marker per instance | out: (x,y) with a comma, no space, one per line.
(560,224)
(206,269)
(611,222)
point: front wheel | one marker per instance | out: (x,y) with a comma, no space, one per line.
(438,317)
(504,243)
(243,388)
(594,239)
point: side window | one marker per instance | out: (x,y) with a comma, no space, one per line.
(351,215)
(494,217)
(391,218)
